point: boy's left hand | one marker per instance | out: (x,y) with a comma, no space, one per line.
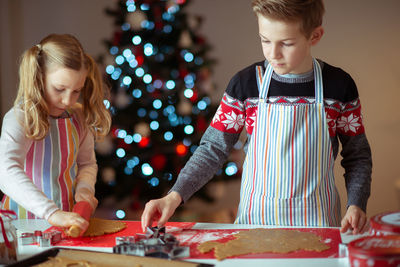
(356,219)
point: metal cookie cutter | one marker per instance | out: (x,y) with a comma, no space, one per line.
(154,243)
(27,239)
(50,239)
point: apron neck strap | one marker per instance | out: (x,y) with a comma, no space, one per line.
(264,81)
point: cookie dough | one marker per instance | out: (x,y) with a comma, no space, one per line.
(98,227)
(262,240)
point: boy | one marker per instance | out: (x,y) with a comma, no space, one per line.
(294,115)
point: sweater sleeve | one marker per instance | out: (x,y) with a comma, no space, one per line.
(87,165)
(14,182)
(356,151)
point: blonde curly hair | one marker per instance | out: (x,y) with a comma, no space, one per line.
(60,50)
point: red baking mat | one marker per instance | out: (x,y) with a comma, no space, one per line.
(193,237)
(132,228)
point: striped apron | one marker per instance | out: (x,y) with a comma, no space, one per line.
(288,176)
(51,164)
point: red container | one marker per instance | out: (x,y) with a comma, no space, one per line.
(387,223)
(375,251)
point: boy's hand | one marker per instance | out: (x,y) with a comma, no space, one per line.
(356,219)
(67,219)
(160,210)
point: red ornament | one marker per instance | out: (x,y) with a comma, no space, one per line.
(158,162)
(144,142)
(181,149)
(194,96)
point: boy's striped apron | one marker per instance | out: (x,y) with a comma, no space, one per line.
(288,174)
(51,164)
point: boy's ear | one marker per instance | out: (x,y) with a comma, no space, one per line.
(316,35)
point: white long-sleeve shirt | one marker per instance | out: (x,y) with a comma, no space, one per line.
(15,183)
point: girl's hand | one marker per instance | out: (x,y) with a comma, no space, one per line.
(67,219)
(160,210)
(355,219)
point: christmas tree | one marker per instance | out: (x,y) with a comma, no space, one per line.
(160,78)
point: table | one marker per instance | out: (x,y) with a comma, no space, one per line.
(24,225)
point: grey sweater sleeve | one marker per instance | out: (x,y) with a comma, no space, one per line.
(357,163)
(208,158)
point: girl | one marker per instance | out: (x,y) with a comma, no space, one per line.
(47,141)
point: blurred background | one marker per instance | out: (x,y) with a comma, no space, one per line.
(216,39)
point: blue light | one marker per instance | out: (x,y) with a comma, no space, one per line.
(167,176)
(157,83)
(189,129)
(133,162)
(207,100)
(127,53)
(137,93)
(131,8)
(189,78)
(170,84)
(128,139)
(144,7)
(173,118)
(153,115)
(187,120)
(136,40)
(198,61)
(121,134)
(128,171)
(173,9)
(150,25)
(115,75)
(113,50)
(167,28)
(144,24)
(120,214)
(119,60)
(188,57)
(141,112)
(127,80)
(231,169)
(169,110)
(157,104)
(126,26)
(137,138)
(133,64)
(187,141)
(150,88)
(167,16)
(154,125)
(193,149)
(154,181)
(168,136)
(148,49)
(139,72)
(110,69)
(147,78)
(202,105)
(174,74)
(106,103)
(147,169)
(120,152)
(188,93)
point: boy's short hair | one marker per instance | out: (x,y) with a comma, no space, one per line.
(308,12)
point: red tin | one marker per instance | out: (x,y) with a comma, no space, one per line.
(375,251)
(387,223)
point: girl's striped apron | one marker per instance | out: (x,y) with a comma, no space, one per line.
(51,164)
(288,174)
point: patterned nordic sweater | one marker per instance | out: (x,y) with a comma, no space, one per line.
(237,111)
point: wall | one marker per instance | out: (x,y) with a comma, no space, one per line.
(361,36)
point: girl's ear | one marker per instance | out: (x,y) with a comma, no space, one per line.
(316,35)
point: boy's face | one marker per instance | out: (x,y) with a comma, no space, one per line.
(285,46)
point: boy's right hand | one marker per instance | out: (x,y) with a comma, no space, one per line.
(160,210)
(67,219)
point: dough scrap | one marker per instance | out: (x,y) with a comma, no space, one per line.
(262,240)
(98,227)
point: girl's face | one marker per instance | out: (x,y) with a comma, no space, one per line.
(285,46)
(62,88)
